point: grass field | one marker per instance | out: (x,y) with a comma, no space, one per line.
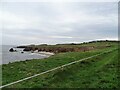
(98,72)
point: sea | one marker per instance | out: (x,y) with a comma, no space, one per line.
(10,57)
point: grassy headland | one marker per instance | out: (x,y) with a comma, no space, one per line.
(72,47)
(100,71)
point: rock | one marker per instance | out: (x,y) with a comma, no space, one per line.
(22,52)
(15,50)
(11,50)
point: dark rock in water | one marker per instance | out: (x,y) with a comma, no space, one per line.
(11,50)
(22,52)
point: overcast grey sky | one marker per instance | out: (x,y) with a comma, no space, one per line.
(64,22)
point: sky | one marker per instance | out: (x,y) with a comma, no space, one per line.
(57,22)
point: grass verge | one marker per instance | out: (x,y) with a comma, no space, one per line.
(98,72)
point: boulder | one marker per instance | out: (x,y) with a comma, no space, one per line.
(11,50)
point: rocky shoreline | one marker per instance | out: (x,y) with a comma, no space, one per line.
(35,51)
(59,48)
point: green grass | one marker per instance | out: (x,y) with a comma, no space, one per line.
(84,74)
(98,72)
(19,70)
(96,44)
(0,75)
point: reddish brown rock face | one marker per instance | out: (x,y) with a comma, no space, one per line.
(59,49)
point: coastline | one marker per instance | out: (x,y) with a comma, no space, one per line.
(22,69)
(46,53)
(43,54)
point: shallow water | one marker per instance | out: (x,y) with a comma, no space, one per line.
(17,56)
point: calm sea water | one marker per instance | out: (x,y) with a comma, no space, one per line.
(17,56)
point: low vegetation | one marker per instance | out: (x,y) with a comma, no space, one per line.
(58,48)
(98,72)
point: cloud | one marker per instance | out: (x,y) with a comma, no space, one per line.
(60,1)
(50,22)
